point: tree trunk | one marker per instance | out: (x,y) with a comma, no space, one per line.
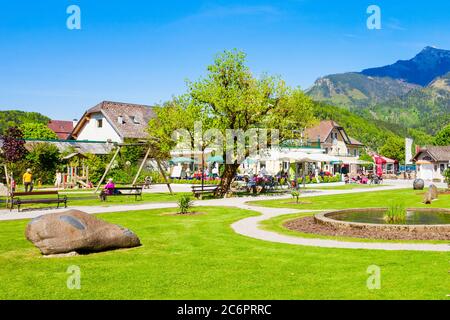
(228,175)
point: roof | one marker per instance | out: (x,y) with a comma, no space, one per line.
(323,130)
(62,128)
(135,118)
(436,152)
(83,147)
(355,142)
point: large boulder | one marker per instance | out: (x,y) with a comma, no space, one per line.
(77,231)
(418,184)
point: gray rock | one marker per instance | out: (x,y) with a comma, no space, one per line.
(76,231)
(418,184)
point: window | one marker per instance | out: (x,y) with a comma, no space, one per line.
(99,123)
(442,167)
(134,120)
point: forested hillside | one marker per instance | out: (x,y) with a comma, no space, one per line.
(11,118)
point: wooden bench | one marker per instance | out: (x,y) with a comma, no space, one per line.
(16,198)
(198,191)
(119,191)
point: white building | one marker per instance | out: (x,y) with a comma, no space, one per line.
(431,162)
(113,121)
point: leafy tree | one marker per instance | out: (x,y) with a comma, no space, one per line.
(443,137)
(230,97)
(13,145)
(447,177)
(97,165)
(234,99)
(43,159)
(394,148)
(37,131)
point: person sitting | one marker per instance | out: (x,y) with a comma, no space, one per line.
(147,182)
(346,179)
(364,179)
(109,189)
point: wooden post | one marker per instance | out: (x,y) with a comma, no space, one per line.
(7,175)
(107,169)
(164,175)
(141,166)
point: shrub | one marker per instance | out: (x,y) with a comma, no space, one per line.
(296,195)
(447,177)
(185,203)
(396,213)
(44,159)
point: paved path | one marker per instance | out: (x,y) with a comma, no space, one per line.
(250,226)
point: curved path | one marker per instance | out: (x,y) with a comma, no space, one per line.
(250,226)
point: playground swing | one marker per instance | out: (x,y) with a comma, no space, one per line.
(144,160)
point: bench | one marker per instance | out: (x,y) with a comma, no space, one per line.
(198,191)
(16,198)
(119,191)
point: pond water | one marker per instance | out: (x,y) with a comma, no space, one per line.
(415,217)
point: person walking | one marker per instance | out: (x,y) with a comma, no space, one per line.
(27,180)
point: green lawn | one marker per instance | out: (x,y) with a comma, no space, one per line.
(89,199)
(378,198)
(200,257)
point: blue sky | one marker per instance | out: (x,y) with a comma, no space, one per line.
(143,51)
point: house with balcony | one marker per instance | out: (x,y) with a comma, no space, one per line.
(335,141)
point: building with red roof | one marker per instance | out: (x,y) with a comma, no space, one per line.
(62,128)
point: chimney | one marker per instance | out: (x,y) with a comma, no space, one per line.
(74,122)
(120,119)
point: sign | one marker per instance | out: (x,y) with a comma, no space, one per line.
(408,151)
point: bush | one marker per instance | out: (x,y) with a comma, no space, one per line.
(295,194)
(43,159)
(185,203)
(447,177)
(396,213)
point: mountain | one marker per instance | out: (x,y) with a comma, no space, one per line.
(408,95)
(372,132)
(429,64)
(10,118)
(355,89)
(441,83)
(426,109)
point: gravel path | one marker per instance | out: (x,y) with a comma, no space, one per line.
(250,226)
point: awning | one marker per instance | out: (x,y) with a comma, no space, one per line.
(217,159)
(353,160)
(423,162)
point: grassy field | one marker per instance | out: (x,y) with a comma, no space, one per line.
(89,199)
(378,198)
(200,257)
